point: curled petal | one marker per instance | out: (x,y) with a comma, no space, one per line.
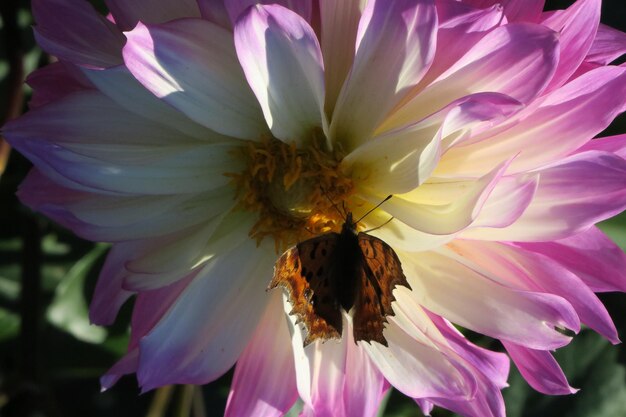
(562,122)
(425,213)
(572,195)
(400,160)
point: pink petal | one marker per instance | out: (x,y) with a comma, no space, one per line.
(507,202)
(191,64)
(126,365)
(395,46)
(484,305)
(591,255)
(425,405)
(91,40)
(364,385)
(516,59)
(572,195)
(336,378)
(419,370)
(109,295)
(205,331)
(614,144)
(561,123)
(539,369)
(493,365)
(608,45)
(54,82)
(149,308)
(236,8)
(515,10)
(282,61)
(531,271)
(487,402)
(490,369)
(461,26)
(128,14)
(265,382)
(577,26)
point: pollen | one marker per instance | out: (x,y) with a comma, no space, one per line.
(298,193)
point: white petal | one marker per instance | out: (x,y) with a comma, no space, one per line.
(281,58)
(191,64)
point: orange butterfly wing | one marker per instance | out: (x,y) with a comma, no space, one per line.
(304,271)
(380,274)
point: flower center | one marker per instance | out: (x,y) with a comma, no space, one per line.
(296,192)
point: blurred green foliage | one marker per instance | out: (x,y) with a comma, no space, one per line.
(51,356)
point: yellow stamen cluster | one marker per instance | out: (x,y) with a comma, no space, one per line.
(298,193)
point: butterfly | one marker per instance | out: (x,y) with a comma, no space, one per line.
(335,271)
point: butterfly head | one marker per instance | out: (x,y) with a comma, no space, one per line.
(349,225)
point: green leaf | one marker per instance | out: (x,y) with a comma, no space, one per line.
(68,310)
(615,228)
(9,324)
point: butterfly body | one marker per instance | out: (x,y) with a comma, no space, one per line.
(347,270)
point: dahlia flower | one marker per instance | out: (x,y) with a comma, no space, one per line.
(203,138)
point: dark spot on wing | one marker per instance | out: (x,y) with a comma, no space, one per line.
(320,271)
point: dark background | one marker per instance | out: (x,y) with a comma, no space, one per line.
(51,358)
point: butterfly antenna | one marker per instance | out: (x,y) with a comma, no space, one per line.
(374,208)
(343,215)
